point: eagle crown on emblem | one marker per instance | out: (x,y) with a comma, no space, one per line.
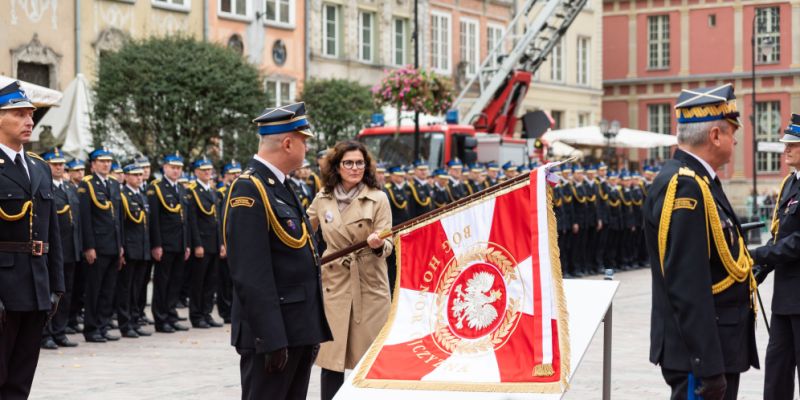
(475,305)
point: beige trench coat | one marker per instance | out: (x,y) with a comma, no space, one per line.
(355,289)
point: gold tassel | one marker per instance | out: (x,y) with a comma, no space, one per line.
(543,370)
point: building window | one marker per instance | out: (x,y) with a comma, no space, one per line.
(557,62)
(584,119)
(440,42)
(768,35)
(659,117)
(236,44)
(658,41)
(712,20)
(470,52)
(279,93)
(330,28)
(583,61)
(233,7)
(280,11)
(35,73)
(366,33)
(494,34)
(182,5)
(400,41)
(768,130)
(557,116)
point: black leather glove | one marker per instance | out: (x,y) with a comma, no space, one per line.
(712,388)
(2,317)
(276,361)
(760,272)
(54,299)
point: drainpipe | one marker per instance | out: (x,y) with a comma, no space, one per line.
(305,40)
(77,37)
(205,20)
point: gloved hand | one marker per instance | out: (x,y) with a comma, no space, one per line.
(2,317)
(760,272)
(712,388)
(276,361)
(54,299)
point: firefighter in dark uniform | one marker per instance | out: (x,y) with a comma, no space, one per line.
(602,216)
(560,209)
(144,162)
(169,243)
(492,173)
(702,330)
(594,220)
(278,315)
(137,253)
(565,241)
(455,187)
(780,254)
(206,246)
(580,217)
(440,192)
(77,170)
(475,182)
(224,296)
(101,226)
(399,199)
(639,250)
(421,193)
(299,185)
(629,224)
(68,207)
(614,226)
(510,170)
(31,274)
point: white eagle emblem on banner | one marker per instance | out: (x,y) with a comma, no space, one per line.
(475,304)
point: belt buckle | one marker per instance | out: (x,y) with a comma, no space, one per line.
(37,247)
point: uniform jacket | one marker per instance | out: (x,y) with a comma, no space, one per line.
(628,214)
(456,190)
(441,195)
(637,200)
(357,286)
(602,187)
(26,281)
(101,216)
(169,225)
(302,191)
(204,221)
(692,329)
(277,296)
(615,207)
(419,198)
(559,209)
(580,203)
(782,252)
(399,202)
(68,207)
(136,225)
(474,186)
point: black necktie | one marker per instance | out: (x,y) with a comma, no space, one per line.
(18,164)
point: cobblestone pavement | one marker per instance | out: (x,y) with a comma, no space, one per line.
(201,364)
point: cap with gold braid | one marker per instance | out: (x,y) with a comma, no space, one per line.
(284,119)
(707,104)
(792,132)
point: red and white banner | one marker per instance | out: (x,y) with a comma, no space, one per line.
(479,305)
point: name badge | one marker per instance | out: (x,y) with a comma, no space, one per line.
(328,216)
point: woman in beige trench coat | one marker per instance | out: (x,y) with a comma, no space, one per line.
(350,209)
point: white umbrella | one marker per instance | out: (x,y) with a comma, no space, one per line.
(585,136)
(563,150)
(41,96)
(633,138)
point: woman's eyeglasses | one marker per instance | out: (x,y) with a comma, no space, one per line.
(350,164)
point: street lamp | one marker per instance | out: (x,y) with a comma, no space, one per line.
(416,67)
(766,46)
(610,131)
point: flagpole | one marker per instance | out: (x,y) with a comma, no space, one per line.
(428,215)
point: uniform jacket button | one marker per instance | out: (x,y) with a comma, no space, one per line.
(281,298)
(259,341)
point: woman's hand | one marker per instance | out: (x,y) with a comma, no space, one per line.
(374,240)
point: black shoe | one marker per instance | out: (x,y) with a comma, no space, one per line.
(110,337)
(69,331)
(165,328)
(65,342)
(131,334)
(142,332)
(96,338)
(178,327)
(49,344)
(226,320)
(201,324)
(214,324)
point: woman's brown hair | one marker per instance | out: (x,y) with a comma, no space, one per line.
(329,165)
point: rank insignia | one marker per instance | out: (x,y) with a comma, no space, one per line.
(242,202)
(270,181)
(2,161)
(684,202)
(290,223)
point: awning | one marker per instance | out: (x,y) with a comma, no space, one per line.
(632,138)
(585,136)
(41,96)
(563,150)
(626,138)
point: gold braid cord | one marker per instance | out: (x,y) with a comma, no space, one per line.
(626,203)
(391,197)
(103,206)
(126,206)
(174,209)
(776,221)
(425,203)
(202,209)
(26,206)
(579,199)
(66,209)
(738,270)
(603,196)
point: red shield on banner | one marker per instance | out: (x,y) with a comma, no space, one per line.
(479,304)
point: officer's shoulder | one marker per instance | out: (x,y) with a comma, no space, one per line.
(192,185)
(34,155)
(113,177)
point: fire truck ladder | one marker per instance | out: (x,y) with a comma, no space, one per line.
(538,40)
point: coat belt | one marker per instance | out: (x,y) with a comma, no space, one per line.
(34,247)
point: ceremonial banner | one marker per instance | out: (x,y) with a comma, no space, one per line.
(479,304)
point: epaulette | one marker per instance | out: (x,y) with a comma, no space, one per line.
(222,189)
(685,171)
(192,185)
(34,155)
(88,178)
(155,181)
(247,173)
(112,177)
(387,185)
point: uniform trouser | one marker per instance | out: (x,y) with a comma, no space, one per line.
(167,280)
(564,250)
(330,382)
(224,290)
(626,247)
(142,299)
(127,295)
(578,251)
(78,293)
(783,354)
(19,352)
(289,384)
(642,245)
(203,282)
(590,250)
(57,326)
(602,247)
(679,382)
(186,280)
(101,280)
(611,247)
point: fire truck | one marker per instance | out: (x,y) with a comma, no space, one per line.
(492,98)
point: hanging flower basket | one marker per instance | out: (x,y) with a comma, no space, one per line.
(410,89)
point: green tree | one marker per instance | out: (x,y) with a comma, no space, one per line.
(177,93)
(338,108)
